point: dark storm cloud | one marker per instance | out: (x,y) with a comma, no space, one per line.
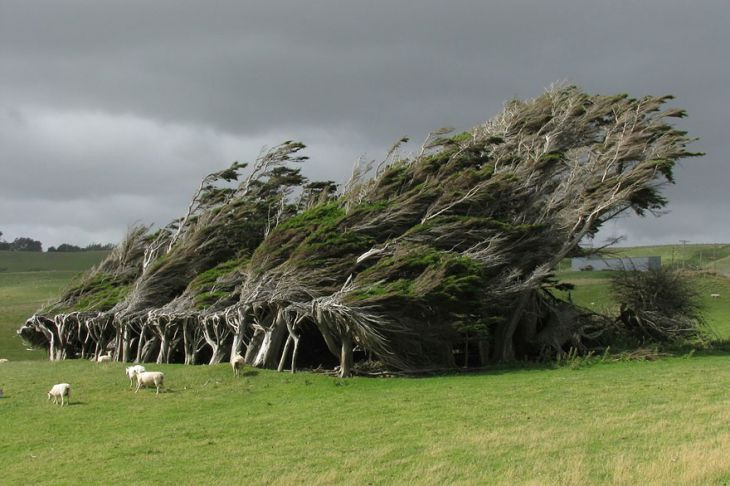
(100,102)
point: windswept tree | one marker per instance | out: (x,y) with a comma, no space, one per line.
(417,260)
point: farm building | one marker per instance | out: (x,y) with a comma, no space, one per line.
(641,264)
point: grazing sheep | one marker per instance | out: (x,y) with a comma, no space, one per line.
(132,372)
(714,296)
(104,359)
(3,360)
(237,363)
(60,390)
(147,378)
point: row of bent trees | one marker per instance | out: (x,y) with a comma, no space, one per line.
(439,259)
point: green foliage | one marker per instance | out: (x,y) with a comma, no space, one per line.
(159,263)
(216,283)
(207,298)
(102,297)
(331,242)
(100,292)
(469,222)
(285,238)
(445,281)
(408,261)
(318,235)
(462,137)
(400,287)
(326,214)
(366,209)
(393,178)
(209,277)
(454,282)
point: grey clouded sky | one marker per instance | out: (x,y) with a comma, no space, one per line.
(111,112)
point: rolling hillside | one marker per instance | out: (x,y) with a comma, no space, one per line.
(27,281)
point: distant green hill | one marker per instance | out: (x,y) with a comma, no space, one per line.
(27,281)
(714,256)
(27,261)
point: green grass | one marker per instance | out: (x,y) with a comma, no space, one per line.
(23,261)
(27,281)
(662,422)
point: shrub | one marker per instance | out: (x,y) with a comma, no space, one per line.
(659,305)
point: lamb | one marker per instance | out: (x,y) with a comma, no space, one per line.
(132,372)
(3,360)
(104,359)
(60,390)
(237,363)
(147,378)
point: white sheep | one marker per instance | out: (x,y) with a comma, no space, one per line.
(132,372)
(147,378)
(104,359)
(4,360)
(60,390)
(237,363)
(714,296)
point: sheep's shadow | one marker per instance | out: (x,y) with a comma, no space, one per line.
(152,391)
(249,373)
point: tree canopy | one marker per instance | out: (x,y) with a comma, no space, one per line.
(414,261)
(69,248)
(22,243)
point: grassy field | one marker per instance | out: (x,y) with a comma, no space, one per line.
(589,422)
(27,281)
(662,422)
(24,262)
